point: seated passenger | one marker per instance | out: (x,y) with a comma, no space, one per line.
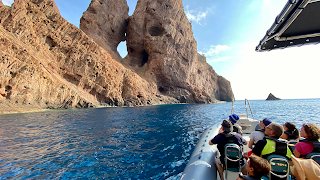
(256,168)
(255,136)
(236,127)
(271,145)
(310,132)
(225,136)
(290,132)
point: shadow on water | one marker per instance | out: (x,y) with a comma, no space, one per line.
(153,142)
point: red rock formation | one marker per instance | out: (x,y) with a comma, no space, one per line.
(47,62)
(162,49)
(105,21)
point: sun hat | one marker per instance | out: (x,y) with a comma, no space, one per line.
(306,168)
(266,121)
(227,126)
(234,118)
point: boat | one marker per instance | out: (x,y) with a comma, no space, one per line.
(201,164)
(296,25)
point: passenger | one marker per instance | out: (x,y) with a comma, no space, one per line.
(256,168)
(236,127)
(271,144)
(310,132)
(225,136)
(290,132)
(255,136)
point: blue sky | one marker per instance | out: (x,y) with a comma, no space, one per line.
(227,32)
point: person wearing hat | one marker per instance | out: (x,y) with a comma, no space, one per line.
(256,168)
(225,136)
(255,136)
(233,118)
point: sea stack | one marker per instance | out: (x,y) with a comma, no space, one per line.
(271,97)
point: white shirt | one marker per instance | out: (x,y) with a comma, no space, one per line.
(256,136)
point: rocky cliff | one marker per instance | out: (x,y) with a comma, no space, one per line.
(46,62)
(161,47)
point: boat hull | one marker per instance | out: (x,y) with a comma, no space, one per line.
(201,164)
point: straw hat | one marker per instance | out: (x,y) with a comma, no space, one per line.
(306,168)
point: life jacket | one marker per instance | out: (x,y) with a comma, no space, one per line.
(261,130)
(316,146)
(280,149)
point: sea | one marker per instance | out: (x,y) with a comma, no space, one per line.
(152,142)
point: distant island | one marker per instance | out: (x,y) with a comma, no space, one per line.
(271,97)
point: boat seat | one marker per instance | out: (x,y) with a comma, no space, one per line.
(280,168)
(245,124)
(233,157)
(291,144)
(314,156)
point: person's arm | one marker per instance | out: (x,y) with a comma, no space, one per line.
(245,141)
(259,147)
(215,140)
(296,153)
(251,142)
(210,143)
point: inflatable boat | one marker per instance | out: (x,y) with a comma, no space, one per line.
(201,165)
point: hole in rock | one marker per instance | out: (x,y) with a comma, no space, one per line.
(50,42)
(156,30)
(122,49)
(145,58)
(162,90)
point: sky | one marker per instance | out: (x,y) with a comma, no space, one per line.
(227,32)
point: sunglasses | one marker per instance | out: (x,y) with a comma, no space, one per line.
(269,127)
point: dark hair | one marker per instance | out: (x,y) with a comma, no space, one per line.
(261,167)
(293,132)
(277,129)
(312,130)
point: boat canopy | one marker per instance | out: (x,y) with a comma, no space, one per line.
(297,24)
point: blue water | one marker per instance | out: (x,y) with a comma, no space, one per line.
(152,142)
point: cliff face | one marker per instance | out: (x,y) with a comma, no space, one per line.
(47,62)
(162,49)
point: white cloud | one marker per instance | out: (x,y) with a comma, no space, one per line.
(216,49)
(196,16)
(213,54)
(7,2)
(220,59)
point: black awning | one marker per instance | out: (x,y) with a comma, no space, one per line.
(297,24)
